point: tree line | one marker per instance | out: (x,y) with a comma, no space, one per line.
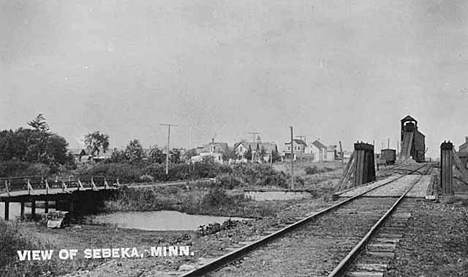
(36,144)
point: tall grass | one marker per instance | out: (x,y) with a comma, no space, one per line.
(214,201)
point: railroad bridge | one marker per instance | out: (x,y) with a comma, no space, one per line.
(71,195)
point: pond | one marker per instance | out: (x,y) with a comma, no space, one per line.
(159,220)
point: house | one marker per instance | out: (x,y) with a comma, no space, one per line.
(214,147)
(217,157)
(330,154)
(298,148)
(78,153)
(103,155)
(464,146)
(321,152)
(261,151)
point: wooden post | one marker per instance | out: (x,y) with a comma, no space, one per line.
(46,207)
(446,168)
(365,165)
(292,158)
(7,210)
(93,184)
(33,207)
(22,209)
(7,188)
(47,186)
(372,176)
(342,156)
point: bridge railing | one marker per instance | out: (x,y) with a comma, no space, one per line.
(31,183)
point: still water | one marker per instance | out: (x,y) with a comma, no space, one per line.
(15,210)
(160,220)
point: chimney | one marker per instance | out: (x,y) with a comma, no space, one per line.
(212,140)
(466,139)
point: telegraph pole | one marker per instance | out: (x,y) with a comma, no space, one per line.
(254,150)
(292,158)
(168,140)
(342,156)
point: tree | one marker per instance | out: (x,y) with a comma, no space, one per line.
(134,151)
(95,142)
(175,156)
(248,154)
(261,154)
(229,154)
(156,154)
(39,123)
(118,156)
(275,156)
(34,146)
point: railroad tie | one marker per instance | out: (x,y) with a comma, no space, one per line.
(381,247)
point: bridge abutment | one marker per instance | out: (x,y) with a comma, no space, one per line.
(446,174)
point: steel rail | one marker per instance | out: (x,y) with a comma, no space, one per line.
(344,265)
(225,259)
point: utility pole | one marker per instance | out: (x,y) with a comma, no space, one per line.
(168,140)
(292,158)
(342,156)
(190,138)
(254,150)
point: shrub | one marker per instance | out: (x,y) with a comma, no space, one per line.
(125,172)
(216,197)
(228,181)
(19,168)
(311,170)
(260,175)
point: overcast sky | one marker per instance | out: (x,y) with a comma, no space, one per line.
(335,70)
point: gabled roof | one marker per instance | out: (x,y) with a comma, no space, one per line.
(77,151)
(464,145)
(408,118)
(319,145)
(268,146)
(298,141)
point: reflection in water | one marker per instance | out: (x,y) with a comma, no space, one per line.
(160,220)
(15,210)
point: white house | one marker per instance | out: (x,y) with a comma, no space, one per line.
(321,152)
(217,157)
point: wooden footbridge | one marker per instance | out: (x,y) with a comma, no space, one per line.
(68,194)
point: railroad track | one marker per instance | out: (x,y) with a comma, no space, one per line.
(323,244)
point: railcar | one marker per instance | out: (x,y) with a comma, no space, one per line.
(388,155)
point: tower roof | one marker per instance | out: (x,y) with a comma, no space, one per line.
(408,118)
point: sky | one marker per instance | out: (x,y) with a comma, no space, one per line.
(338,70)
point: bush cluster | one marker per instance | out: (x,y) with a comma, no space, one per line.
(314,170)
(137,173)
(19,168)
(260,175)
